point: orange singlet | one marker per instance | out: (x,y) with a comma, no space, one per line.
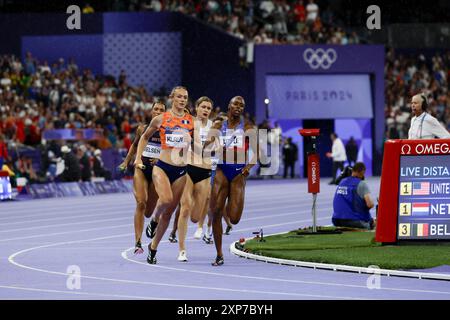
(171,130)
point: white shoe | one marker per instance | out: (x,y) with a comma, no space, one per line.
(182,256)
(198,233)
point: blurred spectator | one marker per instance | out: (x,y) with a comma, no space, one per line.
(337,154)
(312,12)
(98,166)
(290,157)
(3,151)
(300,15)
(104,142)
(72,170)
(25,169)
(351,149)
(32,133)
(85,163)
(155,5)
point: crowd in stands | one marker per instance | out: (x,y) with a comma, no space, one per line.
(41,95)
(36,96)
(406,75)
(266,22)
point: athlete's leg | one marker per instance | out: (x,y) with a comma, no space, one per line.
(140,190)
(201,222)
(187,202)
(163,190)
(236,199)
(173,233)
(218,197)
(227,218)
(205,211)
(201,194)
(175,193)
(152,199)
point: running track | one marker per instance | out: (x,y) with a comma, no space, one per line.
(40,239)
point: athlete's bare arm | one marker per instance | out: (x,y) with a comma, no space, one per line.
(151,129)
(214,133)
(197,145)
(131,153)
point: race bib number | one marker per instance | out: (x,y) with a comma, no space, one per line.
(232,141)
(175,140)
(152,151)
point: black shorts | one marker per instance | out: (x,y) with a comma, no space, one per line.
(147,162)
(172,172)
(198,174)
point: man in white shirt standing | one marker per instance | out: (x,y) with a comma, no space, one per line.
(338,154)
(423,124)
(312,12)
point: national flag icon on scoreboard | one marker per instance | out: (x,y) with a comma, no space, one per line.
(420,209)
(421,229)
(421,188)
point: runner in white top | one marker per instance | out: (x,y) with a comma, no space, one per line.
(197,189)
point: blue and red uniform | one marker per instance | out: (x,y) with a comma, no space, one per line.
(234,141)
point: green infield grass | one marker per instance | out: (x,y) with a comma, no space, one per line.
(354,248)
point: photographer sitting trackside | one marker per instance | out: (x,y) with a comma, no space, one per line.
(352,201)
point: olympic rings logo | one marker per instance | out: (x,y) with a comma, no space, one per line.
(320,58)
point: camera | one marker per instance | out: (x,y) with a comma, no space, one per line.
(347,172)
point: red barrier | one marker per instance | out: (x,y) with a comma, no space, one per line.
(313,173)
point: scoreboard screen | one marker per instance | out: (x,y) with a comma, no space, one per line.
(424,197)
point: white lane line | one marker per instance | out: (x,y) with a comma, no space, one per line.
(124,255)
(130,211)
(64,214)
(68,232)
(13,256)
(66,224)
(130,216)
(55,209)
(129,207)
(299,211)
(80,293)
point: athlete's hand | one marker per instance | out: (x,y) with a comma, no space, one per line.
(153,161)
(123,166)
(246,171)
(187,138)
(138,164)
